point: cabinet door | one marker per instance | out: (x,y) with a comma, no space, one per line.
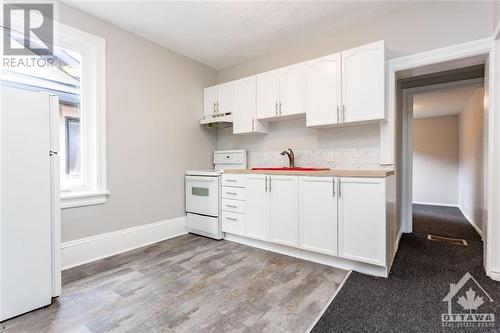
(268,94)
(225,98)
(245,108)
(318,214)
(324,90)
(284,210)
(292,90)
(209,101)
(244,105)
(362,226)
(257,207)
(363,82)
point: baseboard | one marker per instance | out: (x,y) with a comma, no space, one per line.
(471,222)
(85,250)
(495,275)
(434,204)
(311,256)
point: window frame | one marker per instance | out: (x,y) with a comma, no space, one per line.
(93,115)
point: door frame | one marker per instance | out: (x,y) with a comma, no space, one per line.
(482,47)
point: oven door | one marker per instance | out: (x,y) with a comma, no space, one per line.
(202,195)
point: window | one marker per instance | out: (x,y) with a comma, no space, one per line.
(77,78)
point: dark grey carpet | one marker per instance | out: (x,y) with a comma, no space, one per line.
(410,300)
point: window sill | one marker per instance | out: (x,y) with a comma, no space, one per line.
(80,199)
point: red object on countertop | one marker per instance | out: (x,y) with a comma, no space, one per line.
(290,169)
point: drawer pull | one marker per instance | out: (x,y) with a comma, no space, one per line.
(231,206)
(231,180)
(232,193)
(231,219)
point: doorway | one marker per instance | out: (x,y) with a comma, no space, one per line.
(442,126)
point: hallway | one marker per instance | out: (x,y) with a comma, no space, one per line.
(410,300)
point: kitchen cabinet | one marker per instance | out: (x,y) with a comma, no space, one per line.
(324,90)
(282,92)
(362,220)
(218,100)
(318,214)
(225,98)
(209,101)
(363,83)
(292,99)
(268,94)
(245,107)
(284,210)
(347,87)
(257,207)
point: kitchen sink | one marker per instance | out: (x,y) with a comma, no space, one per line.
(291,169)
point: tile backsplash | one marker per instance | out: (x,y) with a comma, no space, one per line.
(340,158)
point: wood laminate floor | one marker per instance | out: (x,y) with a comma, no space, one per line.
(188,284)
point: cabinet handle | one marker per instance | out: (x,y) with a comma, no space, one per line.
(334,187)
(276,108)
(270,180)
(343,113)
(230,180)
(214,108)
(217,107)
(266,183)
(231,206)
(253,124)
(280,108)
(338,118)
(232,193)
(231,219)
(340,188)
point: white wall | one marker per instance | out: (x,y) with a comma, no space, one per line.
(154,104)
(435,160)
(470,172)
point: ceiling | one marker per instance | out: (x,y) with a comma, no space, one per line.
(441,103)
(221,34)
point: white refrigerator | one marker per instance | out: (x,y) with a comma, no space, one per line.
(30,274)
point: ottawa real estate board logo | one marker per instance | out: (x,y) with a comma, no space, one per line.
(468,305)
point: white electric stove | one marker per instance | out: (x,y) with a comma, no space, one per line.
(203,193)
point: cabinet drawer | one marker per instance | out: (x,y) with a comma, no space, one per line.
(233,223)
(230,205)
(237,193)
(233,180)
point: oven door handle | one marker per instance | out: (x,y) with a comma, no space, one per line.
(206,179)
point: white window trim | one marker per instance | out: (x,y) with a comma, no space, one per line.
(93,49)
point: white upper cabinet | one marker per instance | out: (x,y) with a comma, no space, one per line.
(245,107)
(362,220)
(284,210)
(268,94)
(225,98)
(318,214)
(292,90)
(218,100)
(210,102)
(363,83)
(324,90)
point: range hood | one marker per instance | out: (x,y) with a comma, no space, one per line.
(218,121)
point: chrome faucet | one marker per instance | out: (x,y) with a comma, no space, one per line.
(291,157)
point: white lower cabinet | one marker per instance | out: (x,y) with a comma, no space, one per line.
(362,220)
(257,207)
(318,214)
(344,217)
(284,209)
